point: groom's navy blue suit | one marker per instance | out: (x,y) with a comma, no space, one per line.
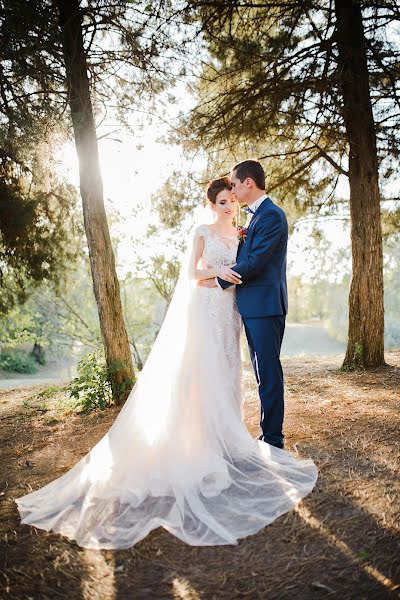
(263,303)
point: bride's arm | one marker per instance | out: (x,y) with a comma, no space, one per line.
(201,274)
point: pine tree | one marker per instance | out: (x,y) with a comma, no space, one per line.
(312,89)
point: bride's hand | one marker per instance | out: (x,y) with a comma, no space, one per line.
(209,283)
(227,274)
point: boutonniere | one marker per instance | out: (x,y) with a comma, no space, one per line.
(242,234)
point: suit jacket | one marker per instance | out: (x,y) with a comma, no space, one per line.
(261,261)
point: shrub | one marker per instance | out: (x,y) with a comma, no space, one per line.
(17,361)
(91,388)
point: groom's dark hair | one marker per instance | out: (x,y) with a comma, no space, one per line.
(253,169)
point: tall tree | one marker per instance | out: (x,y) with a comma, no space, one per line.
(105,281)
(366,322)
(87,54)
(312,89)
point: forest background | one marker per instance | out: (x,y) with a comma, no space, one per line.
(164,96)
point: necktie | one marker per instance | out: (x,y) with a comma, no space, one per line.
(248,210)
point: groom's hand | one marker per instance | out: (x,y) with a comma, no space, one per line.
(210,283)
(227,274)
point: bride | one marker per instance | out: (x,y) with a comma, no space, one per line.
(179,455)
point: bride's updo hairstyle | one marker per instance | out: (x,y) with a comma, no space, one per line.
(216,186)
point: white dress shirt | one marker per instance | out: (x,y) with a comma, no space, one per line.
(257,203)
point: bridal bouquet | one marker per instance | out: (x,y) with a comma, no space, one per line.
(242,234)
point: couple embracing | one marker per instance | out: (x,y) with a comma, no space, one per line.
(179,454)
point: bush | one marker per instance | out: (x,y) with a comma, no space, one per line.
(91,388)
(17,361)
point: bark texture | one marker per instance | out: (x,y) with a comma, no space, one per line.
(105,281)
(366,307)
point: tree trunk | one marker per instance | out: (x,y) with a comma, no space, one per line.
(366,309)
(105,281)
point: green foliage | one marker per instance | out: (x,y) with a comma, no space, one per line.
(163,273)
(65,322)
(91,388)
(357,361)
(49,392)
(364,555)
(54,319)
(120,391)
(17,361)
(176,199)
(358,356)
(35,204)
(38,240)
(271,88)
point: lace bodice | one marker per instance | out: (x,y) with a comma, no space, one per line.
(224,322)
(218,250)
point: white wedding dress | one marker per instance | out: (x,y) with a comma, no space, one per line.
(179,455)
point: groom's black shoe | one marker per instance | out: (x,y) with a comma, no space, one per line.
(280,445)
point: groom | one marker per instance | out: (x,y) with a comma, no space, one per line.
(262,296)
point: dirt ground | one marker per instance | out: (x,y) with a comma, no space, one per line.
(340,542)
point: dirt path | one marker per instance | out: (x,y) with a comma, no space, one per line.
(339,543)
(52,373)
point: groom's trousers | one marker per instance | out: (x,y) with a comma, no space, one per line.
(264,337)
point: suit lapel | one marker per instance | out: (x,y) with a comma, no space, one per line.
(259,210)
